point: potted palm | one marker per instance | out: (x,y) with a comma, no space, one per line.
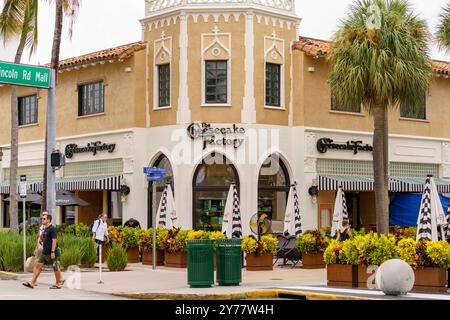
(430,262)
(146,245)
(176,248)
(312,244)
(259,253)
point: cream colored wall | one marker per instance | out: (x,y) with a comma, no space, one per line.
(123,108)
(313,109)
(165,116)
(140,106)
(261,30)
(237,29)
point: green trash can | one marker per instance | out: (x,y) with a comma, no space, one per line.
(229,262)
(200,256)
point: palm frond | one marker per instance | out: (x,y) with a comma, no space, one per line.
(388,64)
(443,29)
(11,19)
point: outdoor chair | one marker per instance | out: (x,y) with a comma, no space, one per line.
(280,254)
(291,253)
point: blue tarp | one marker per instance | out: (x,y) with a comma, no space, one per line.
(404,208)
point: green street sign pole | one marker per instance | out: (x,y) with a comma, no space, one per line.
(25,75)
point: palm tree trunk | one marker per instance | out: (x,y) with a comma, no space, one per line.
(380,168)
(14,161)
(54,65)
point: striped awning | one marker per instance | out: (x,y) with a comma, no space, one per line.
(74,184)
(365,183)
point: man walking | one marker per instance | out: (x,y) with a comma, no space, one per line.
(99,232)
(48,254)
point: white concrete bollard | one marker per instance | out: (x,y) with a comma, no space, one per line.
(395,277)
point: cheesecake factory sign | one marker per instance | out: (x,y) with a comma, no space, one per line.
(216,136)
(325,144)
(93,147)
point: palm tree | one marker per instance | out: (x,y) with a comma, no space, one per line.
(379,59)
(443,29)
(18,18)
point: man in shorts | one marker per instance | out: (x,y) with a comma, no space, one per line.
(48,254)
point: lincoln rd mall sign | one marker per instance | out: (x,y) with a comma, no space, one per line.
(24,75)
(216,136)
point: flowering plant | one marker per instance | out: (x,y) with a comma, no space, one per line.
(146,240)
(267,244)
(312,242)
(176,240)
(332,253)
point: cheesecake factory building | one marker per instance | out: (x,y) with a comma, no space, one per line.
(221,92)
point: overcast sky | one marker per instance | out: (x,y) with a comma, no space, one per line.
(107,23)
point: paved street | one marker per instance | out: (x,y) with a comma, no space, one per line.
(142,280)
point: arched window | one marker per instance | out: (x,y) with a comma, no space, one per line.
(211,183)
(164,163)
(273,188)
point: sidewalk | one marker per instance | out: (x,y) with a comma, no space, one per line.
(141,282)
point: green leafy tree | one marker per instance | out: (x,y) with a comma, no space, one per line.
(379,59)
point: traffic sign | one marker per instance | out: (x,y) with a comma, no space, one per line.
(23,187)
(24,75)
(154,174)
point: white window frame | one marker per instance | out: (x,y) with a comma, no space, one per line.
(282,106)
(156,75)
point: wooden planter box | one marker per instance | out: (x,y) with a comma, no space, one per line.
(259,262)
(312,260)
(363,276)
(175,259)
(147,257)
(430,280)
(342,275)
(133,255)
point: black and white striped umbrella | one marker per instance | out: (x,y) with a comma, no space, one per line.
(340,211)
(292,218)
(232,225)
(431,213)
(167,217)
(447,227)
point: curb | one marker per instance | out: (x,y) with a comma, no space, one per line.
(300,295)
(8,275)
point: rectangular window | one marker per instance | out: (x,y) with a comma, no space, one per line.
(164,85)
(273,84)
(216,82)
(28,110)
(414,113)
(335,106)
(90,98)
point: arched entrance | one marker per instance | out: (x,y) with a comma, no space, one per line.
(273,189)
(211,183)
(164,163)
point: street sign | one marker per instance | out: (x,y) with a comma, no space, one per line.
(23,187)
(154,174)
(24,75)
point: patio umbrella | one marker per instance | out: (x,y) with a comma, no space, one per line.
(231,225)
(66,199)
(30,199)
(431,214)
(292,219)
(340,211)
(167,208)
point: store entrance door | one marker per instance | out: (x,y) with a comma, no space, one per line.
(354,209)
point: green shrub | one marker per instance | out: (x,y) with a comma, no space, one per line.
(306,243)
(11,250)
(384,249)
(71,256)
(438,253)
(132,237)
(89,252)
(117,258)
(407,250)
(349,253)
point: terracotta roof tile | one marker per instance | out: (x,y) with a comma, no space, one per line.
(118,53)
(319,49)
